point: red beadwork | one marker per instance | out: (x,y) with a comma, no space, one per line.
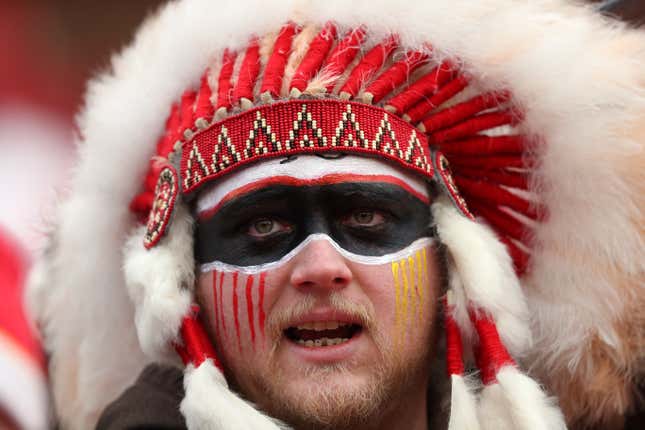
(164,203)
(299,126)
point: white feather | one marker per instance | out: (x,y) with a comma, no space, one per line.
(486,272)
(210,405)
(160,282)
(493,411)
(529,406)
(463,405)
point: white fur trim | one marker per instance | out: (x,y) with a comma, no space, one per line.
(463,405)
(210,405)
(160,281)
(487,274)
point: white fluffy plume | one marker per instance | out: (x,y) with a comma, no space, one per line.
(528,405)
(463,405)
(160,281)
(486,272)
(210,405)
(516,402)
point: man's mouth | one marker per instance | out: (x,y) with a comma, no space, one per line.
(322,333)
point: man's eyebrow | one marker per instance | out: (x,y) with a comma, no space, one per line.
(329,179)
(245,201)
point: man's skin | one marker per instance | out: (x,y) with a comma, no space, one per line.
(383,306)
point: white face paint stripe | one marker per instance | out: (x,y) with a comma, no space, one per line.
(305,167)
(362,259)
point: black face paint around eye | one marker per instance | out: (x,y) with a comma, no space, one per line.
(365,218)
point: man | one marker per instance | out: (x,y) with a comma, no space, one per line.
(297,205)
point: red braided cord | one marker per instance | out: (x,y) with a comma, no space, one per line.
(419,111)
(510,179)
(423,87)
(461,111)
(474,125)
(484,145)
(224,84)
(187,113)
(490,162)
(369,65)
(491,353)
(494,194)
(313,59)
(196,346)
(397,74)
(166,143)
(277,62)
(503,223)
(344,53)
(204,107)
(249,71)
(454,347)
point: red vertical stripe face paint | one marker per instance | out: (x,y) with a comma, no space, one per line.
(221,303)
(236,310)
(249,307)
(215,304)
(261,312)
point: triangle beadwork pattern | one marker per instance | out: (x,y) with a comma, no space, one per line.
(297,127)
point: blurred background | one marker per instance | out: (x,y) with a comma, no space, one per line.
(49,49)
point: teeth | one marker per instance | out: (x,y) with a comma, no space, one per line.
(325,341)
(321,325)
(331,325)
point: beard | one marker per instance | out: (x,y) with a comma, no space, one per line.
(327,401)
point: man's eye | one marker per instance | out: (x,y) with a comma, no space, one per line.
(365,218)
(266,226)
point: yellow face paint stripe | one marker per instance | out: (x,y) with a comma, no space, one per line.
(420,286)
(406,293)
(397,292)
(414,302)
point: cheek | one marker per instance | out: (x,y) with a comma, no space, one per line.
(404,294)
(234,305)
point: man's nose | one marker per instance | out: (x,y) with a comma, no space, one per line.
(319,266)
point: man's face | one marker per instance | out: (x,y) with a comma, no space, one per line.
(318,281)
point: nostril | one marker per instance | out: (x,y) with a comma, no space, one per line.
(338,281)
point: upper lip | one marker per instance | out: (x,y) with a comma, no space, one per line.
(324,315)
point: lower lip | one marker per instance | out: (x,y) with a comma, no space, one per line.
(326,354)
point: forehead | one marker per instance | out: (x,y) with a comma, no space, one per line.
(307,170)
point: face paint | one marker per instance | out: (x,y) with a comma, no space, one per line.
(410,279)
(246,306)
